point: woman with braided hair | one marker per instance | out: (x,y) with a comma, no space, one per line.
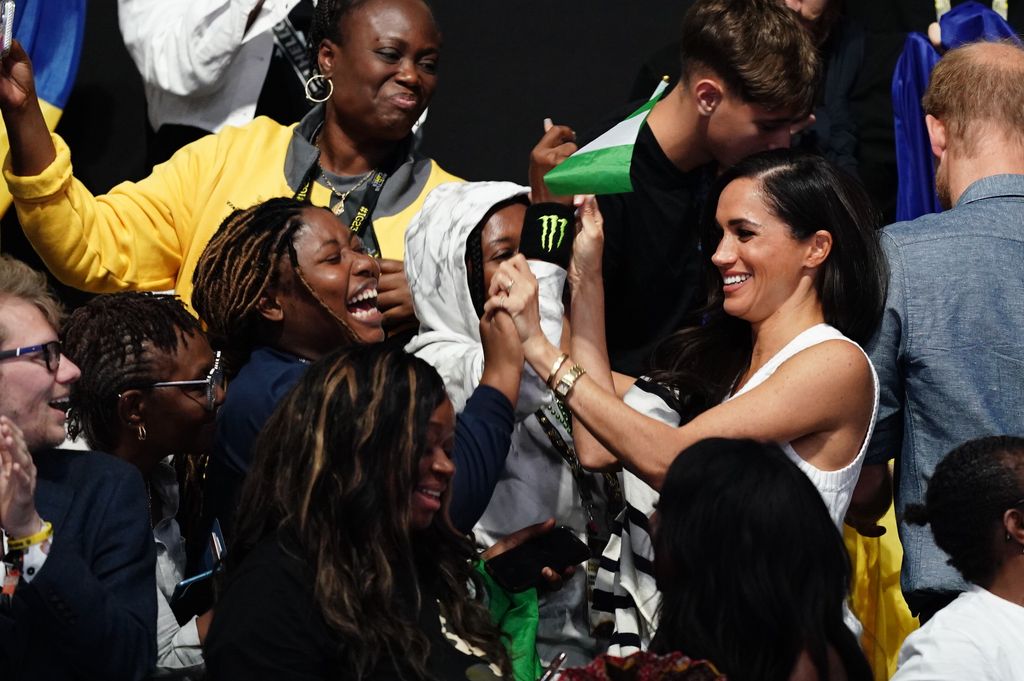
(975,507)
(280,285)
(149,389)
(354,152)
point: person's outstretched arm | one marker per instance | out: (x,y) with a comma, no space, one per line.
(589,346)
(809,394)
(32,148)
(483,431)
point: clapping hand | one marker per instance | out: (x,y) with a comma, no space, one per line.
(18,516)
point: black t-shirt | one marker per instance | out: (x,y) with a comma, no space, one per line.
(652,262)
(268,626)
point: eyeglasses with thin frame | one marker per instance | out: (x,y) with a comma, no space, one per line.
(214,379)
(51,353)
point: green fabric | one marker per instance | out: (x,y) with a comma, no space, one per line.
(516,615)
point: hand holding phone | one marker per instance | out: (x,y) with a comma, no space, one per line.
(520,563)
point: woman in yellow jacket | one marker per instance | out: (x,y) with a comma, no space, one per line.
(354,153)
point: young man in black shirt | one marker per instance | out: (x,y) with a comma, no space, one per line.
(749,73)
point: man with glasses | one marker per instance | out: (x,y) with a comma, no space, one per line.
(78,593)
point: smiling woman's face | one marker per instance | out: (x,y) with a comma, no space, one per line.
(436,468)
(385,68)
(343,281)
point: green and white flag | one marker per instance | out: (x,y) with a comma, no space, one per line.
(602,167)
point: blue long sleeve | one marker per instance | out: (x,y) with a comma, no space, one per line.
(483,435)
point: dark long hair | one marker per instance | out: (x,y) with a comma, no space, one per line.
(751,568)
(334,472)
(807,193)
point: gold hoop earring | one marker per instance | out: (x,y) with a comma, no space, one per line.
(315,84)
(142,432)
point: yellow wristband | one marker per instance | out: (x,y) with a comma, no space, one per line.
(22,543)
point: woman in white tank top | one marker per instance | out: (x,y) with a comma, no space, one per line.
(795,282)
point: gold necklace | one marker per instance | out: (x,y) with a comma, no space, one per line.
(339,208)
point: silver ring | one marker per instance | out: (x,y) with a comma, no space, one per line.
(508,288)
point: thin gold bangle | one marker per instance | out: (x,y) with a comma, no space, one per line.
(554,369)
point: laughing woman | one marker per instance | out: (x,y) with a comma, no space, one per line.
(795,280)
(346,565)
(280,285)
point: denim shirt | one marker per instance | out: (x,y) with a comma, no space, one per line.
(949,350)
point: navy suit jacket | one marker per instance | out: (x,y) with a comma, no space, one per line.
(90,611)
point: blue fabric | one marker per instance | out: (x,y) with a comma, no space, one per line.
(90,611)
(51,31)
(916,195)
(965,23)
(483,435)
(948,351)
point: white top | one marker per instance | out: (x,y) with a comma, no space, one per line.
(835,487)
(625,579)
(979,636)
(178,652)
(199,65)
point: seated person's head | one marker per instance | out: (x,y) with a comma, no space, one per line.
(454,246)
(820,226)
(290,276)
(752,570)
(751,70)
(35,377)
(975,507)
(354,468)
(129,347)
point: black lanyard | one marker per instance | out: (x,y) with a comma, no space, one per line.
(359,220)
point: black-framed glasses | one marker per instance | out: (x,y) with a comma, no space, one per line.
(51,353)
(214,379)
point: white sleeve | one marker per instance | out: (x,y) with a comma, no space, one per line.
(939,655)
(32,562)
(185,46)
(177,647)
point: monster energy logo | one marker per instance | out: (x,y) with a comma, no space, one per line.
(550,225)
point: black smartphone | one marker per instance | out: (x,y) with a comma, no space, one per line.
(519,569)
(192,596)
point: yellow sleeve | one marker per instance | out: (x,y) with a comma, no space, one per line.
(133,237)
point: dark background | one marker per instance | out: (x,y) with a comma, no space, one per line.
(506,65)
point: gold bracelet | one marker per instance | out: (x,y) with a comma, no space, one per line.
(554,370)
(22,543)
(568,381)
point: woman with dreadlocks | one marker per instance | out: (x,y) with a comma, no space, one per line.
(975,507)
(354,152)
(280,285)
(149,389)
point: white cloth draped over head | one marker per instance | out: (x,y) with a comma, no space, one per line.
(435,265)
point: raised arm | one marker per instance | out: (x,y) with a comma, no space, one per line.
(32,149)
(589,346)
(808,395)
